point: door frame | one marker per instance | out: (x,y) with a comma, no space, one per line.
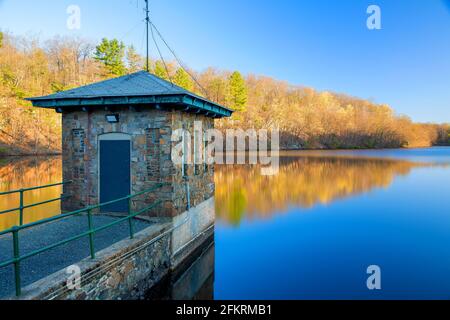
(111,137)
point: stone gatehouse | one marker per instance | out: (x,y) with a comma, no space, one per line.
(117,140)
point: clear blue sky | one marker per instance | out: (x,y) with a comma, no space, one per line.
(319,43)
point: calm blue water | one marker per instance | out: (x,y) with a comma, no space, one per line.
(340,213)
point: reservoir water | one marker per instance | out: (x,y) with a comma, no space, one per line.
(311,230)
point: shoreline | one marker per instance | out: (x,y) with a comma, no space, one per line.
(7,156)
(4,156)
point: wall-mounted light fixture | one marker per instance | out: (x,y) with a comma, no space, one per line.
(112,118)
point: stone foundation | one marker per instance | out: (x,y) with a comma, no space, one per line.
(193,228)
(131,268)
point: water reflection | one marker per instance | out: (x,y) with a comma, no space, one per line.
(392,212)
(194,282)
(304,180)
(323,254)
(197,282)
(24,172)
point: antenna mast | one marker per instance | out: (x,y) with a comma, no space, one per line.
(147,22)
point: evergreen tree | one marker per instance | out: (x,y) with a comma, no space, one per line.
(111,54)
(160,70)
(183,79)
(237,92)
(134,60)
(1,39)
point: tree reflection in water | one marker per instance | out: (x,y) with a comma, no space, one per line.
(302,181)
(241,190)
(24,172)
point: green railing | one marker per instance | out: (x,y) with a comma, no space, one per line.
(89,233)
(21,193)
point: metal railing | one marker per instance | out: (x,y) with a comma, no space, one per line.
(21,193)
(16,260)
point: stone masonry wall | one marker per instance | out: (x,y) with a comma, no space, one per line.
(126,270)
(150,131)
(137,268)
(199,177)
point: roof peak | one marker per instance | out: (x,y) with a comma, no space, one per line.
(140,83)
(135,86)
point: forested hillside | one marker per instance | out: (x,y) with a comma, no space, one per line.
(307,118)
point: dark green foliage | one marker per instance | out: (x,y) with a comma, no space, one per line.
(111,53)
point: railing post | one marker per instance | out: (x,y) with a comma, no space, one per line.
(91,234)
(130,219)
(15,233)
(21,207)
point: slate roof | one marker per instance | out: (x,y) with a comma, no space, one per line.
(139,85)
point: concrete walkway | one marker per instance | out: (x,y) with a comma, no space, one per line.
(46,263)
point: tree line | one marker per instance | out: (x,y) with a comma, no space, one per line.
(307,118)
